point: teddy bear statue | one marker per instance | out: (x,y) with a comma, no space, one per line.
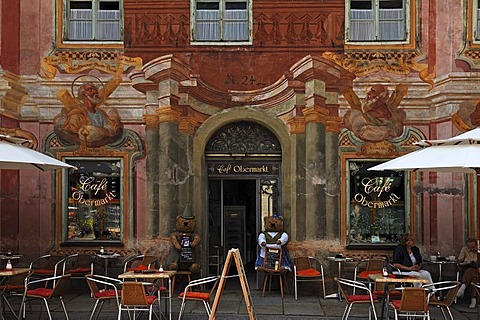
(184,241)
(272,239)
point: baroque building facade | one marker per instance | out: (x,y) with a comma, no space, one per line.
(239,110)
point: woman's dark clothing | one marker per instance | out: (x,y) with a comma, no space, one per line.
(401,256)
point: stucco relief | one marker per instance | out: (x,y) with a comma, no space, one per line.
(83,120)
(377,118)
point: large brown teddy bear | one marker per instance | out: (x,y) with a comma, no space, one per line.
(184,241)
(273,237)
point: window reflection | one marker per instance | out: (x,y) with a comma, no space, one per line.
(377,204)
(94,206)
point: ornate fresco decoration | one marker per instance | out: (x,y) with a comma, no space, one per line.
(111,62)
(154,29)
(311,29)
(31,142)
(83,121)
(130,142)
(377,118)
(470,56)
(395,62)
(467,116)
(243,137)
(348,142)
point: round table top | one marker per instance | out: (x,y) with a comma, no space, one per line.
(339,258)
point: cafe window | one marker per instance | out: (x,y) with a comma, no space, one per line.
(93,20)
(376,208)
(221,21)
(374,21)
(94,209)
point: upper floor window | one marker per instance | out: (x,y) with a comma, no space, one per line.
(93,20)
(221,21)
(377,20)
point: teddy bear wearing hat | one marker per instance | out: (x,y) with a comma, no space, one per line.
(184,241)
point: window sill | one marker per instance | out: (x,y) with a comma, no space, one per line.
(221,43)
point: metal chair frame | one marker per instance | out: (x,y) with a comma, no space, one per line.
(60,284)
(437,288)
(111,291)
(309,263)
(204,296)
(134,298)
(413,303)
(351,300)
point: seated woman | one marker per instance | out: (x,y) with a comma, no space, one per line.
(407,258)
(467,261)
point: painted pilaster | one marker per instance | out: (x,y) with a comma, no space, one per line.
(315,165)
(152,168)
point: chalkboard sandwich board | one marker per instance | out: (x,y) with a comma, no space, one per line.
(273,258)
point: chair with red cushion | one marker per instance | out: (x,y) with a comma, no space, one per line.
(364,296)
(307,269)
(111,291)
(79,265)
(134,298)
(413,304)
(190,294)
(48,265)
(139,262)
(34,291)
(364,268)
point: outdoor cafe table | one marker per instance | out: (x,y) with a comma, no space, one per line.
(106,257)
(5,276)
(392,279)
(339,260)
(157,276)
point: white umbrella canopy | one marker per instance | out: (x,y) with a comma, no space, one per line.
(15,156)
(458,154)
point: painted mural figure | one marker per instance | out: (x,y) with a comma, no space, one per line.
(84,121)
(378,117)
(468,116)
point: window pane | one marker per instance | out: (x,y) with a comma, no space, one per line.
(94,201)
(391,24)
(81,5)
(81,24)
(377,204)
(361,4)
(362,27)
(477,35)
(236,21)
(108,25)
(208,21)
(391,4)
(109,5)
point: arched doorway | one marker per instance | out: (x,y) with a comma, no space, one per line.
(243,161)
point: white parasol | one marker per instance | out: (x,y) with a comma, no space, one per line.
(15,156)
(458,154)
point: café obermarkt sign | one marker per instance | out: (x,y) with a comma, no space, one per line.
(97,191)
(374,192)
(243,168)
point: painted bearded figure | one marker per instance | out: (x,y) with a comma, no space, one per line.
(84,121)
(377,117)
